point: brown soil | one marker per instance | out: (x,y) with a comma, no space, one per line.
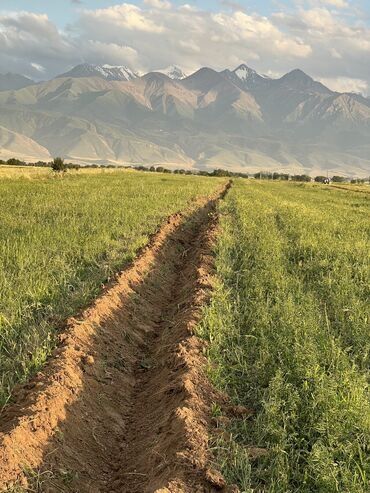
(123,404)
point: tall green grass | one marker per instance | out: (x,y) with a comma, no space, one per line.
(288,329)
(60,239)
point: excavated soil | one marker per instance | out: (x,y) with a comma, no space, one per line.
(123,404)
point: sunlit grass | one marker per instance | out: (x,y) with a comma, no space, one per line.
(289,336)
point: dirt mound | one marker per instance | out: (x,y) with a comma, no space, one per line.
(123,404)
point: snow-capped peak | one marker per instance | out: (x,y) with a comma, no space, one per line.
(108,72)
(173,72)
(248,75)
(117,72)
(244,72)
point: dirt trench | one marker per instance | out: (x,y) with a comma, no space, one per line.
(123,404)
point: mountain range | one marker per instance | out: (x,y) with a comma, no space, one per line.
(234,119)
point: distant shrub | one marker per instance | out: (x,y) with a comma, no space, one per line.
(338,179)
(320,179)
(221,172)
(73,166)
(161,169)
(15,162)
(58,165)
(280,176)
(305,178)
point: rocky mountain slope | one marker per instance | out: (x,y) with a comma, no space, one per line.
(173,72)
(236,119)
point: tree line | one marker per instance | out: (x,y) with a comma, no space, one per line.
(60,165)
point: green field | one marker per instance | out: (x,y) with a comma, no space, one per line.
(61,238)
(288,332)
(288,323)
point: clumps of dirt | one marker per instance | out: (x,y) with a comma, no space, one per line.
(124,404)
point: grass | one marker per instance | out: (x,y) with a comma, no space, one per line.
(288,332)
(365,187)
(60,239)
(23,172)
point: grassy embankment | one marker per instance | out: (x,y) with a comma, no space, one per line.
(289,337)
(61,238)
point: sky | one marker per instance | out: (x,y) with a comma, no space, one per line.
(328,39)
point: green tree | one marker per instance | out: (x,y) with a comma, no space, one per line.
(58,165)
(15,162)
(301,178)
(338,179)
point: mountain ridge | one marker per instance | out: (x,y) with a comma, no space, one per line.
(108,72)
(237,119)
(10,81)
(173,72)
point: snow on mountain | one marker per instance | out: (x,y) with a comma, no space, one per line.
(248,75)
(173,72)
(116,72)
(108,72)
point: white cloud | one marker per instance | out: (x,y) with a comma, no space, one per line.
(320,20)
(335,53)
(31,36)
(346,84)
(38,67)
(191,37)
(110,53)
(158,4)
(125,16)
(190,46)
(188,8)
(339,4)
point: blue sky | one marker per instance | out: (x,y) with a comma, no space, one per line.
(328,39)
